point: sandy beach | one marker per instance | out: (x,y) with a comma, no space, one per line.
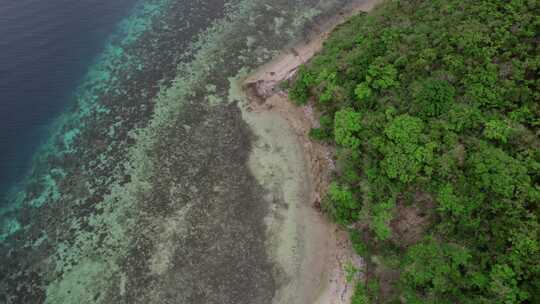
(310,250)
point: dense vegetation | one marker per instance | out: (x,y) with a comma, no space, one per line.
(434,108)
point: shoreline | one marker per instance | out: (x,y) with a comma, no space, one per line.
(173,199)
(321,249)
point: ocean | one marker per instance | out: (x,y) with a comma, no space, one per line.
(46,49)
(126,153)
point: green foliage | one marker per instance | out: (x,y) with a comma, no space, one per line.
(351,272)
(405,130)
(382,214)
(449,202)
(363,91)
(504,285)
(319,134)
(435,97)
(381,76)
(494,170)
(373,289)
(436,268)
(358,244)
(341,204)
(497,130)
(324,132)
(346,126)
(360,296)
(404,155)
(439,98)
(328,81)
(299,92)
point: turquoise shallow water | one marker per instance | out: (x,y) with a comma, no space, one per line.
(141,192)
(47,47)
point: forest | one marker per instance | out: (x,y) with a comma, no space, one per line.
(434,110)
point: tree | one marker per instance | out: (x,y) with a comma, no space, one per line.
(300,89)
(404,154)
(435,97)
(381,76)
(362,91)
(341,204)
(497,130)
(436,267)
(346,126)
(494,170)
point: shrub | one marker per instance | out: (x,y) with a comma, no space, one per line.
(300,90)
(341,204)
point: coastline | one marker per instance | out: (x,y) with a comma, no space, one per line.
(184,173)
(121,199)
(312,251)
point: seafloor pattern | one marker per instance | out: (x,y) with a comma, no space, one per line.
(143,193)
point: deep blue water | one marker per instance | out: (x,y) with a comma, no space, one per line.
(46,48)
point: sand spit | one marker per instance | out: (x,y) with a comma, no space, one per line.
(311,252)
